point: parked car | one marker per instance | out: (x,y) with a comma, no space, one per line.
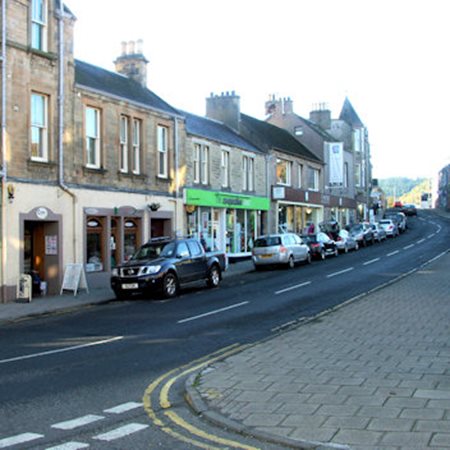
(363,234)
(398,217)
(321,245)
(345,241)
(409,209)
(284,248)
(379,233)
(390,227)
(164,265)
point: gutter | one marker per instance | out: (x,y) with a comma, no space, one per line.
(3,169)
(61,99)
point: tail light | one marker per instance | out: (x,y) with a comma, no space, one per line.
(339,238)
(283,249)
(315,245)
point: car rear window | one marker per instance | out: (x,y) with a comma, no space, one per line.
(385,222)
(268,241)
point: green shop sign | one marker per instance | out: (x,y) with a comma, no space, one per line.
(223,200)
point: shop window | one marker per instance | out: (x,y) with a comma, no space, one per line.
(95,244)
(113,243)
(130,242)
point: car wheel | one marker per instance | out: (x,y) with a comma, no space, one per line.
(322,255)
(170,285)
(336,252)
(346,248)
(213,277)
(356,246)
(308,258)
(290,263)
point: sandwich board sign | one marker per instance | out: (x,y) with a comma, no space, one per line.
(74,278)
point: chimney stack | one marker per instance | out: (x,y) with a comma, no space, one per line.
(132,63)
(225,108)
(321,115)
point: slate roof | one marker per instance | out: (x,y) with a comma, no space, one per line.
(348,114)
(275,138)
(118,85)
(323,134)
(216,131)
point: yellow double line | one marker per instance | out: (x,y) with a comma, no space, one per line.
(165,382)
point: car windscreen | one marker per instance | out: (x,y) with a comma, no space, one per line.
(385,222)
(153,251)
(309,238)
(268,241)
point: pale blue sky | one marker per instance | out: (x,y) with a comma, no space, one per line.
(390,57)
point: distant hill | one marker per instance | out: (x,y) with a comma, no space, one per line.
(406,190)
(398,186)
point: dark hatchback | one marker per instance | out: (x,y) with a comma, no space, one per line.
(320,245)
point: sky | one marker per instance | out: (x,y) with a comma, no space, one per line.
(389,57)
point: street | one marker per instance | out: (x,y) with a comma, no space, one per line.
(81,377)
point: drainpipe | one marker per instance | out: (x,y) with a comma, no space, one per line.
(177,177)
(3,171)
(61,125)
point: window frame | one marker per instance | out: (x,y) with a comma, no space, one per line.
(299,175)
(225,167)
(40,24)
(41,127)
(248,173)
(123,143)
(136,146)
(97,138)
(163,151)
(196,162)
(288,171)
(315,179)
(204,164)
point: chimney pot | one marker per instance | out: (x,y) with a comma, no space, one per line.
(124,47)
(131,45)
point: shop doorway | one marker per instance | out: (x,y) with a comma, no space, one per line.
(41,255)
(160,227)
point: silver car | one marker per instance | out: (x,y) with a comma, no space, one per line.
(286,249)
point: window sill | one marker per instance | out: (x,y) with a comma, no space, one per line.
(131,175)
(91,170)
(37,163)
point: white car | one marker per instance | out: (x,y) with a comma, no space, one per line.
(285,248)
(345,242)
(390,227)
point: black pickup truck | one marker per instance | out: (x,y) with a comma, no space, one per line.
(163,265)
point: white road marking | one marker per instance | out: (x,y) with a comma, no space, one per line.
(420,241)
(306,283)
(69,446)
(78,422)
(408,247)
(19,439)
(340,272)
(216,311)
(393,253)
(431,235)
(371,261)
(120,432)
(123,408)
(61,350)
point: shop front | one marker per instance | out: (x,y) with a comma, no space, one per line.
(224,221)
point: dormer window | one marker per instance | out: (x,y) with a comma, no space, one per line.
(39,25)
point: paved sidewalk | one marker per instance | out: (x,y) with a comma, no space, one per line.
(67,301)
(374,374)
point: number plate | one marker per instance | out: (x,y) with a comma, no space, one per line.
(267,256)
(130,286)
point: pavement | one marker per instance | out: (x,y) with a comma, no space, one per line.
(373,373)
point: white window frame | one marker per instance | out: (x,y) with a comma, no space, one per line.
(300,175)
(315,179)
(39,126)
(94,137)
(225,168)
(204,164)
(248,173)
(163,151)
(196,163)
(136,149)
(358,175)
(39,19)
(124,121)
(288,172)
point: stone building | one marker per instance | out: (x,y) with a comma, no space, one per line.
(339,189)
(225,195)
(91,159)
(294,173)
